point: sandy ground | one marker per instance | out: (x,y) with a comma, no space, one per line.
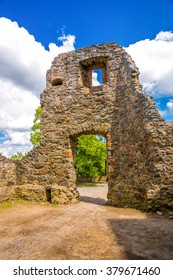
(86,230)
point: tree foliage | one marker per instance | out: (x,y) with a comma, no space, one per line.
(91,156)
(18,155)
(35,135)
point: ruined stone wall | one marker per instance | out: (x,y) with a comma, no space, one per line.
(7,172)
(139,141)
(7,178)
(30,169)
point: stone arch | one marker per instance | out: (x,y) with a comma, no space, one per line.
(90,127)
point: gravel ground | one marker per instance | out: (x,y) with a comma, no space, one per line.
(85,230)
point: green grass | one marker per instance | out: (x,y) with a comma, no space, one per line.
(91,184)
(10,203)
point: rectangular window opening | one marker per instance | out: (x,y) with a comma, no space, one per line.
(97,77)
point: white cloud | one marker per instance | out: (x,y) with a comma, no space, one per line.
(164,36)
(155,61)
(167,112)
(17,106)
(68,44)
(15,141)
(17,138)
(95,81)
(169,105)
(23,66)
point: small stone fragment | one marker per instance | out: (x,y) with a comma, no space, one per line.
(159,213)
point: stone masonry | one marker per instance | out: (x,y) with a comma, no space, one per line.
(139,141)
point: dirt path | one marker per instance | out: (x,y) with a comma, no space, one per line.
(86,230)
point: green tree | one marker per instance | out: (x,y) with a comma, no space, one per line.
(19,155)
(35,135)
(91,156)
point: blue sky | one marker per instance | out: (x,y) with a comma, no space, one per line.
(29,32)
(92,22)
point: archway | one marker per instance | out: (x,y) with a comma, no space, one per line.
(90,162)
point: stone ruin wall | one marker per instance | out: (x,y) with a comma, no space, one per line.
(139,141)
(7,172)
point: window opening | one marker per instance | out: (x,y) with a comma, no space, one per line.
(97,77)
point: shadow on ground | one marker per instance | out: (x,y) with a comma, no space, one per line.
(93,200)
(148,239)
